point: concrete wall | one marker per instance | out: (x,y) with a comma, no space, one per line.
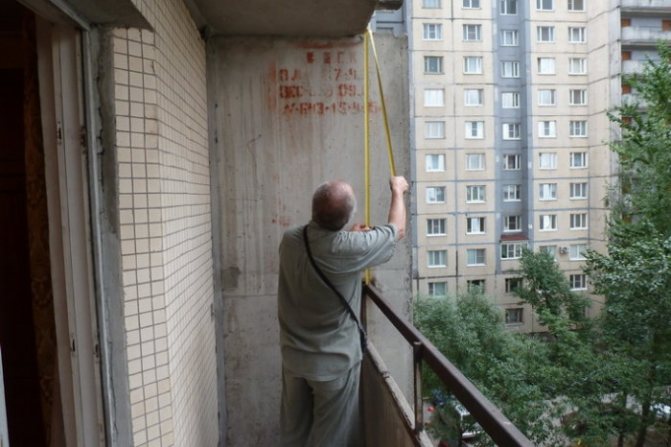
(287,115)
(161,147)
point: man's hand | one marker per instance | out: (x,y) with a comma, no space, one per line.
(360,227)
(398,184)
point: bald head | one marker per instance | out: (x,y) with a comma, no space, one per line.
(333,204)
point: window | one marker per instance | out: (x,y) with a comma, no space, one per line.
(578,191)
(577,97)
(547,222)
(576,5)
(578,160)
(577,66)
(546,65)
(515,315)
(512,162)
(547,191)
(512,131)
(435,162)
(547,160)
(435,227)
(511,251)
(435,194)
(472,32)
(475,129)
(576,34)
(512,193)
(510,100)
(437,258)
(578,221)
(547,129)
(549,249)
(545,34)
(471,4)
(433,64)
(475,225)
(438,289)
(475,285)
(510,38)
(475,256)
(508,7)
(434,97)
(473,64)
(578,281)
(547,97)
(512,224)
(473,96)
(435,130)
(577,252)
(545,5)
(430,4)
(433,31)
(475,193)
(510,69)
(475,162)
(512,284)
(578,128)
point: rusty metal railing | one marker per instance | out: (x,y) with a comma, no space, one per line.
(490,418)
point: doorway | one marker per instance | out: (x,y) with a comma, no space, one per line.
(48,330)
(27,324)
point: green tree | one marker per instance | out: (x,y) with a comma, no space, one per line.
(644,148)
(545,287)
(634,276)
(583,370)
(511,370)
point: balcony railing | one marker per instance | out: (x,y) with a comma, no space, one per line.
(644,35)
(632,66)
(646,5)
(490,418)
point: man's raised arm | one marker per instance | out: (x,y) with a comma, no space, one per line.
(397,214)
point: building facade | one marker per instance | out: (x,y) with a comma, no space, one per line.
(510,131)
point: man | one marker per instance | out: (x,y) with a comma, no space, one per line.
(321,349)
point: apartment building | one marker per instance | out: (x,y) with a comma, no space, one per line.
(508,105)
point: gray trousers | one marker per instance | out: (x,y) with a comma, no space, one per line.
(321,414)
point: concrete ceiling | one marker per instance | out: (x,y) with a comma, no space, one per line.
(313,18)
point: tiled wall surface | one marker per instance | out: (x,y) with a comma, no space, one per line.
(165,227)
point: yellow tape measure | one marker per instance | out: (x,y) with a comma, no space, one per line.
(368,40)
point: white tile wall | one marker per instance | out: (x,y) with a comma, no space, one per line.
(165,228)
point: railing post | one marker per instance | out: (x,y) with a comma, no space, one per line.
(419,405)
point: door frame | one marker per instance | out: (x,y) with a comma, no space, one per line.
(70,239)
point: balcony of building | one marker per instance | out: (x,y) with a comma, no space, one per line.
(632,67)
(389,419)
(646,6)
(644,36)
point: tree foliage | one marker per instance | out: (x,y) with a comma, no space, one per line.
(644,148)
(545,287)
(634,276)
(510,369)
